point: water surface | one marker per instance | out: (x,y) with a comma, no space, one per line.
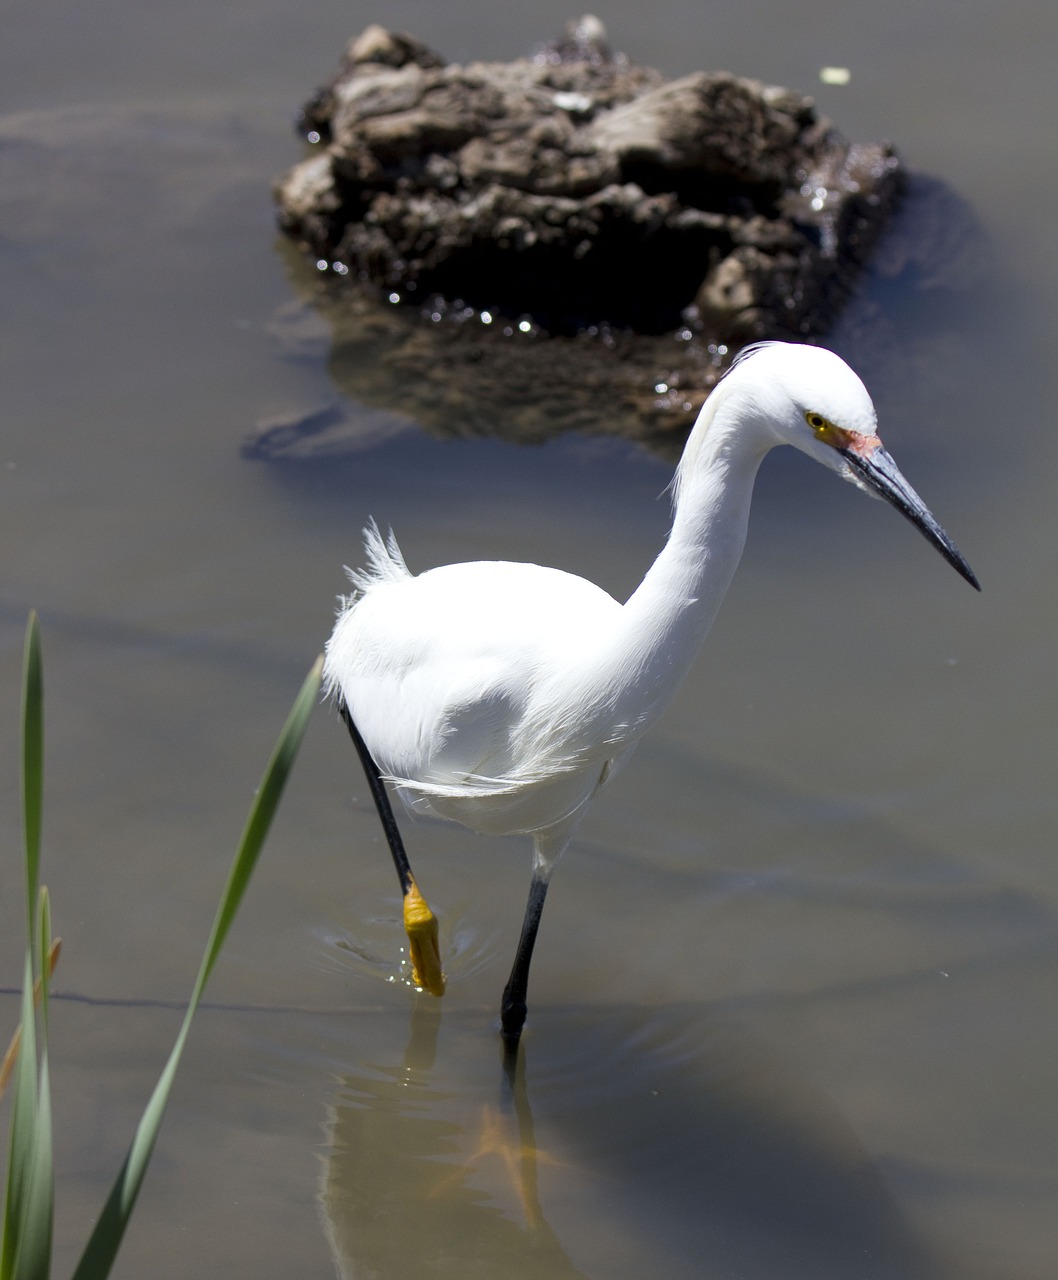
(792,1011)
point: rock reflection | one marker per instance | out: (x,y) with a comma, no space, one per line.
(455,373)
(630,1142)
(462,378)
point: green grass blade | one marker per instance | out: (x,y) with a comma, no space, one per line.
(23,1126)
(260,818)
(105,1240)
(30,1197)
(25,1235)
(32,1259)
(32,764)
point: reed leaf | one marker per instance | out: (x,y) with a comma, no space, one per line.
(7,1063)
(106,1239)
(33,1256)
(26,1234)
(32,764)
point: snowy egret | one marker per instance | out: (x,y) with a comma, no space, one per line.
(503,696)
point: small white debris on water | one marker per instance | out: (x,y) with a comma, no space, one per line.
(571,101)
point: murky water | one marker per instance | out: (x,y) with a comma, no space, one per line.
(792,1010)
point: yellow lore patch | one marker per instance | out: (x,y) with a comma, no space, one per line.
(839,438)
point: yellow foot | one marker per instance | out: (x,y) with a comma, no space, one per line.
(420,924)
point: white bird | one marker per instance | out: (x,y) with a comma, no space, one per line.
(503,696)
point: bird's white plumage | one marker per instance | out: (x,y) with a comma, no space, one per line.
(503,695)
(458,680)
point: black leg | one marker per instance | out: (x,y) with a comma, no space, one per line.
(382,804)
(513,1006)
(420,924)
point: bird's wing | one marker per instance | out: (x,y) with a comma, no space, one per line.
(448,675)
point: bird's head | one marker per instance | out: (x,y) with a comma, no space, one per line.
(810,398)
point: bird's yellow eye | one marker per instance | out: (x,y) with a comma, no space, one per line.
(817,422)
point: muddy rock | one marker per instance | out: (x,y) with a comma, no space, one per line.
(574,200)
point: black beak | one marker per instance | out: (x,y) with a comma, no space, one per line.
(880,474)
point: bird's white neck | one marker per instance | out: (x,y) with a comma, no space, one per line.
(669,615)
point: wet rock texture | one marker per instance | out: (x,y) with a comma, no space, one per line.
(575,198)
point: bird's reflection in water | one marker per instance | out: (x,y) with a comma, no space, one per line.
(628,1142)
(434,1183)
